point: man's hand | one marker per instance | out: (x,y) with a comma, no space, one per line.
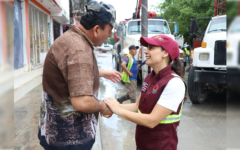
(112,75)
(130,74)
(138,65)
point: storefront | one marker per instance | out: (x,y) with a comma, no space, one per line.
(38,32)
(56,29)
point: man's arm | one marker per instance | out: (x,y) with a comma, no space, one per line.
(101,73)
(112,75)
(143,63)
(88,104)
(123,65)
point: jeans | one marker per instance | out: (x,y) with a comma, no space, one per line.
(187,57)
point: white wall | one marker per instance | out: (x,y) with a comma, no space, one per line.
(65,6)
(24,36)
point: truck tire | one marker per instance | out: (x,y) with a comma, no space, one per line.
(195,92)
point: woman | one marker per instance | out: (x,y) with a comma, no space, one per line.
(158,109)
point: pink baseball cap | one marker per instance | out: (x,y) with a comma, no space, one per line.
(165,42)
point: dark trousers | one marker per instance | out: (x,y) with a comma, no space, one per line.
(113,57)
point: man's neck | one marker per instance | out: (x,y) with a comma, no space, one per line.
(86,32)
(132,55)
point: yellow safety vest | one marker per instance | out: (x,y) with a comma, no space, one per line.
(125,75)
(186,52)
(171,118)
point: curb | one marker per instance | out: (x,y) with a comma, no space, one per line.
(98,143)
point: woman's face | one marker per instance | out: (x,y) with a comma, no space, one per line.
(155,55)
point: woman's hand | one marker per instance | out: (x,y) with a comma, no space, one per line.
(113,104)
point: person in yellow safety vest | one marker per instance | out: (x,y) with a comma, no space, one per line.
(186,51)
(113,52)
(129,75)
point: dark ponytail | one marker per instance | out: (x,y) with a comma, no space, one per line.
(177,67)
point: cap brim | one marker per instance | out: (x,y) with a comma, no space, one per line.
(114,25)
(137,47)
(148,41)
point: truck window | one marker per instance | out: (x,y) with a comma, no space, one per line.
(218,25)
(154,27)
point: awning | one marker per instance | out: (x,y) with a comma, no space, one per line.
(59,14)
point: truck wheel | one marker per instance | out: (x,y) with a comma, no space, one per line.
(195,92)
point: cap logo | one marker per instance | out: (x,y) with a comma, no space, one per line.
(155,89)
(158,37)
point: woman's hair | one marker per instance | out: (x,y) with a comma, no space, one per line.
(177,67)
(88,23)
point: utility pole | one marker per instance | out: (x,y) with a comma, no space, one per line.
(144,25)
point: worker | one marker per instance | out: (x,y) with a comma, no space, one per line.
(129,75)
(140,65)
(113,52)
(158,109)
(187,55)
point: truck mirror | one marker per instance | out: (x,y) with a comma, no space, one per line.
(193,27)
(175,28)
(165,24)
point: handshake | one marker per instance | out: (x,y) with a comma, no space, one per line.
(112,106)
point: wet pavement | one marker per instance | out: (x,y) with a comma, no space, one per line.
(26,117)
(202,127)
(116,132)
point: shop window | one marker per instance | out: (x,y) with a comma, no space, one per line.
(38,25)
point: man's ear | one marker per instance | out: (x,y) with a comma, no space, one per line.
(96,30)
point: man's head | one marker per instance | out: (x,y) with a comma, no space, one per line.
(98,22)
(133,50)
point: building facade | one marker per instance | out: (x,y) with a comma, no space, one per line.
(37,24)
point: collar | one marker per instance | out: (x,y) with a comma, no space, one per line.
(80,32)
(165,71)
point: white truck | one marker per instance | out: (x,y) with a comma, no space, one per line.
(208,71)
(131,33)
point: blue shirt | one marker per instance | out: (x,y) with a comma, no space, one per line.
(134,69)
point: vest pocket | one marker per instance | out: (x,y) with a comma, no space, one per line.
(160,137)
(149,139)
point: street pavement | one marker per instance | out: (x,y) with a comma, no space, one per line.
(202,127)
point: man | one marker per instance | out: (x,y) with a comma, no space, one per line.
(186,51)
(113,51)
(129,77)
(71,82)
